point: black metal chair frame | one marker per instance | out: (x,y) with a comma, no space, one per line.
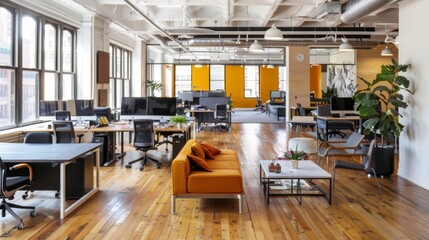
(144,146)
(259,106)
(220,116)
(7,193)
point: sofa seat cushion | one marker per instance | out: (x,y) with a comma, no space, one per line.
(224,164)
(218,181)
(225,157)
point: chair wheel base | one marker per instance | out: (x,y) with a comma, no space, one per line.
(127,166)
(141,168)
(158,166)
(57,195)
(20,225)
(33,213)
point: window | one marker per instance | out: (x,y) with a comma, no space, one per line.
(120,74)
(217,77)
(21,80)
(7,75)
(251,81)
(6,39)
(29,42)
(282,78)
(183,79)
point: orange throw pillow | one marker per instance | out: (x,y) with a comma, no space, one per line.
(198,164)
(214,150)
(198,150)
(207,152)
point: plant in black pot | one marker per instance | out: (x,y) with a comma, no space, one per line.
(378,104)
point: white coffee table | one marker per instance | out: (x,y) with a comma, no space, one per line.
(307,170)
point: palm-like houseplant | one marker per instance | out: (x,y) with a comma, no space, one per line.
(379,103)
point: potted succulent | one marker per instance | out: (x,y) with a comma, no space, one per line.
(295,156)
(179,120)
(379,103)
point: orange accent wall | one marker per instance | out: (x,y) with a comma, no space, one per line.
(269,80)
(200,78)
(234,86)
(316,80)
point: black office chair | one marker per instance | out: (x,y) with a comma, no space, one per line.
(259,106)
(63,131)
(62,115)
(220,116)
(66,116)
(165,136)
(144,140)
(9,185)
(365,166)
(334,126)
(37,137)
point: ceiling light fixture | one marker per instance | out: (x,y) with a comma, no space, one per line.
(198,65)
(397,41)
(256,47)
(386,52)
(345,46)
(273,33)
(270,66)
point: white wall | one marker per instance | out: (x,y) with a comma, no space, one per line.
(414,50)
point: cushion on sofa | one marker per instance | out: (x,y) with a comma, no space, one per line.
(197,150)
(218,181)
(207,152)
(224,164)
(198,164)
(221,157)
(212,148)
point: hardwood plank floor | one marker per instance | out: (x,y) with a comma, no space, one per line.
(136,205)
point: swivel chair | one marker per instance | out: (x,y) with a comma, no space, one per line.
(144,140)
(9,185)
(40,138)
(63,131)
(65,116)
(220,116)
(259,106)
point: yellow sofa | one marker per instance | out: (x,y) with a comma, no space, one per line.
(225,180)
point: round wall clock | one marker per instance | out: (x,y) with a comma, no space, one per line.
(300,57)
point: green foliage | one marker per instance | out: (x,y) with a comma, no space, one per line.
(178,119)
(156,86)
(369,101)
(330,92)
(294,155)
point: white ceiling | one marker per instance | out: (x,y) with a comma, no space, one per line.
(182,24)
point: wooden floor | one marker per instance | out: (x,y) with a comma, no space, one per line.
(136,205)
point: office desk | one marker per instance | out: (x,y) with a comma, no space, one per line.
(327,119)
(63,154)
(121,128)
(294,110)
(206,111)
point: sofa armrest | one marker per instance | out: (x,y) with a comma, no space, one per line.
(180,169)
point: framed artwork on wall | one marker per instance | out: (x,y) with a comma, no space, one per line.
(343,78)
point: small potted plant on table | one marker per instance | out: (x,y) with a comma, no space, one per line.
(295,156)
(179,120)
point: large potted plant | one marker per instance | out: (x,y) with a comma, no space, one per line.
(153,87)
(378,104)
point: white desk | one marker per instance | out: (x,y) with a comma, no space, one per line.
(54,153)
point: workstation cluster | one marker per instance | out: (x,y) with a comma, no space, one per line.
(276,104)
(208,107)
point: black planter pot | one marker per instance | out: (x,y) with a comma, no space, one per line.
(383,160)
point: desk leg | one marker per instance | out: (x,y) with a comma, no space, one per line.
(66,211)
(62,190)
(194,131)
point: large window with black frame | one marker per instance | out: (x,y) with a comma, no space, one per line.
(120,74)
(33,64)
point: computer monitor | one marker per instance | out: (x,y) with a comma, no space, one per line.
(186,96)
(47,108)
(104,112)
(161,106)
(133,106)
(342,105)
(277,94)
(84,107)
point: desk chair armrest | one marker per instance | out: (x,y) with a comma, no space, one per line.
(23,165)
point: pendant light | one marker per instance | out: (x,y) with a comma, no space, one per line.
(256,47)
(273,33)
(345,46)
(386,52)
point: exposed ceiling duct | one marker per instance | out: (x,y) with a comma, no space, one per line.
(354,10)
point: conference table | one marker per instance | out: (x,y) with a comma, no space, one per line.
(62,154)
